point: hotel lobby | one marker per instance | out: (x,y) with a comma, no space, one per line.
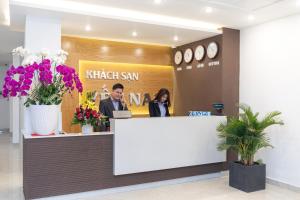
(149,100)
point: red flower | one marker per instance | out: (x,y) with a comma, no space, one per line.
(87,114)
(77,110)
(94,113)
(79,116)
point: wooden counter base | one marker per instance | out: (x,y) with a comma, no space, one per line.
(65,165)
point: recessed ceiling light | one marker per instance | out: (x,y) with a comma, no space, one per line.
(104,49)
(134,34)
(157,2)
(87,27)
(175,38)
(208,9)
(251,17)
(138,52)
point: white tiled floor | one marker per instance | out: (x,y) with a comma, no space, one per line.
(214,189)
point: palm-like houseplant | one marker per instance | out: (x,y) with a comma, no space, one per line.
(246,135)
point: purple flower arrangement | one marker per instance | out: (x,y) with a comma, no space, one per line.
(22,80)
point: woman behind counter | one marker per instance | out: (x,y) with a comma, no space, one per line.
(159,107)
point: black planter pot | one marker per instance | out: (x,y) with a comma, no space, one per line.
(247,178)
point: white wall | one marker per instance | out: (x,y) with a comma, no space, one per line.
(270,80)
(4,104)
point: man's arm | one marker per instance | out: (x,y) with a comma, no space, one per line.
(102,107)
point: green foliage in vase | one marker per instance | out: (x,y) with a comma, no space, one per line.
(246,134)
(47,94)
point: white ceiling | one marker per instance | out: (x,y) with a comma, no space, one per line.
(228,13)
(155,24)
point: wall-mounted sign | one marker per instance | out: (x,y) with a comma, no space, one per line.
(111,75)
(214,63)
(141,81)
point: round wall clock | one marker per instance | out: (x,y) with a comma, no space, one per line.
(199,52)
(188,55)
(178,57)
(212,50)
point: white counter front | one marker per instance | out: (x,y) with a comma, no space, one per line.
(149,144)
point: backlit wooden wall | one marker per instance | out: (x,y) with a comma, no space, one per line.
(150,79)
(106,51)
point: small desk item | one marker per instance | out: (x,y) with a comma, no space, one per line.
(121,114)
(199,113)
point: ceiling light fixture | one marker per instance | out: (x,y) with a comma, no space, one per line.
(88,28)
(208,9)
(134,34)
(104,49)
(157,2)
(4,13)
(118,13)
(251,17)
(175,38)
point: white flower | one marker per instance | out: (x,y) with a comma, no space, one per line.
(62,53)
(61,57)
(44,52)
(30,59)
(20,51)
(58,60)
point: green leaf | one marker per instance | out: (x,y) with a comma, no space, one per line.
(246,134)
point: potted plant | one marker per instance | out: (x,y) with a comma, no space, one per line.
(87,118)
(43,80)
(246,135)
(86,114)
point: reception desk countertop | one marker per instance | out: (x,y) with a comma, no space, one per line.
(136,151)
(28,136)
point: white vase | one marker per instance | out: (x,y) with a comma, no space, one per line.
(44,118)
(87,129)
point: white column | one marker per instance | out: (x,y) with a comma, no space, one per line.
(14,110)
(40,33)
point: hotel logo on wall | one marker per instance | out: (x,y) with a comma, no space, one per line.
(112,75)
(198,54)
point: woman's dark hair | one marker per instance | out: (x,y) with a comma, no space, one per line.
(161,93)
(118,86)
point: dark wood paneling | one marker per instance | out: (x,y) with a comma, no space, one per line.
(230,77)
(57,166)
(231,71)
(198,88)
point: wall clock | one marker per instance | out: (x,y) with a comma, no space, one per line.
(188,55)
(199,52)
(178,57)
(212,50)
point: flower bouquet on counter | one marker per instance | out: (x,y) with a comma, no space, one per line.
(87,118)
(42,80)
(86,114)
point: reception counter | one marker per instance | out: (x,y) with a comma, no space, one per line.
(136,151)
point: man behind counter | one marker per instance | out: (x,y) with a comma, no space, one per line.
(114,102)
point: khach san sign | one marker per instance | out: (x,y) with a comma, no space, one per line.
(112,75)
